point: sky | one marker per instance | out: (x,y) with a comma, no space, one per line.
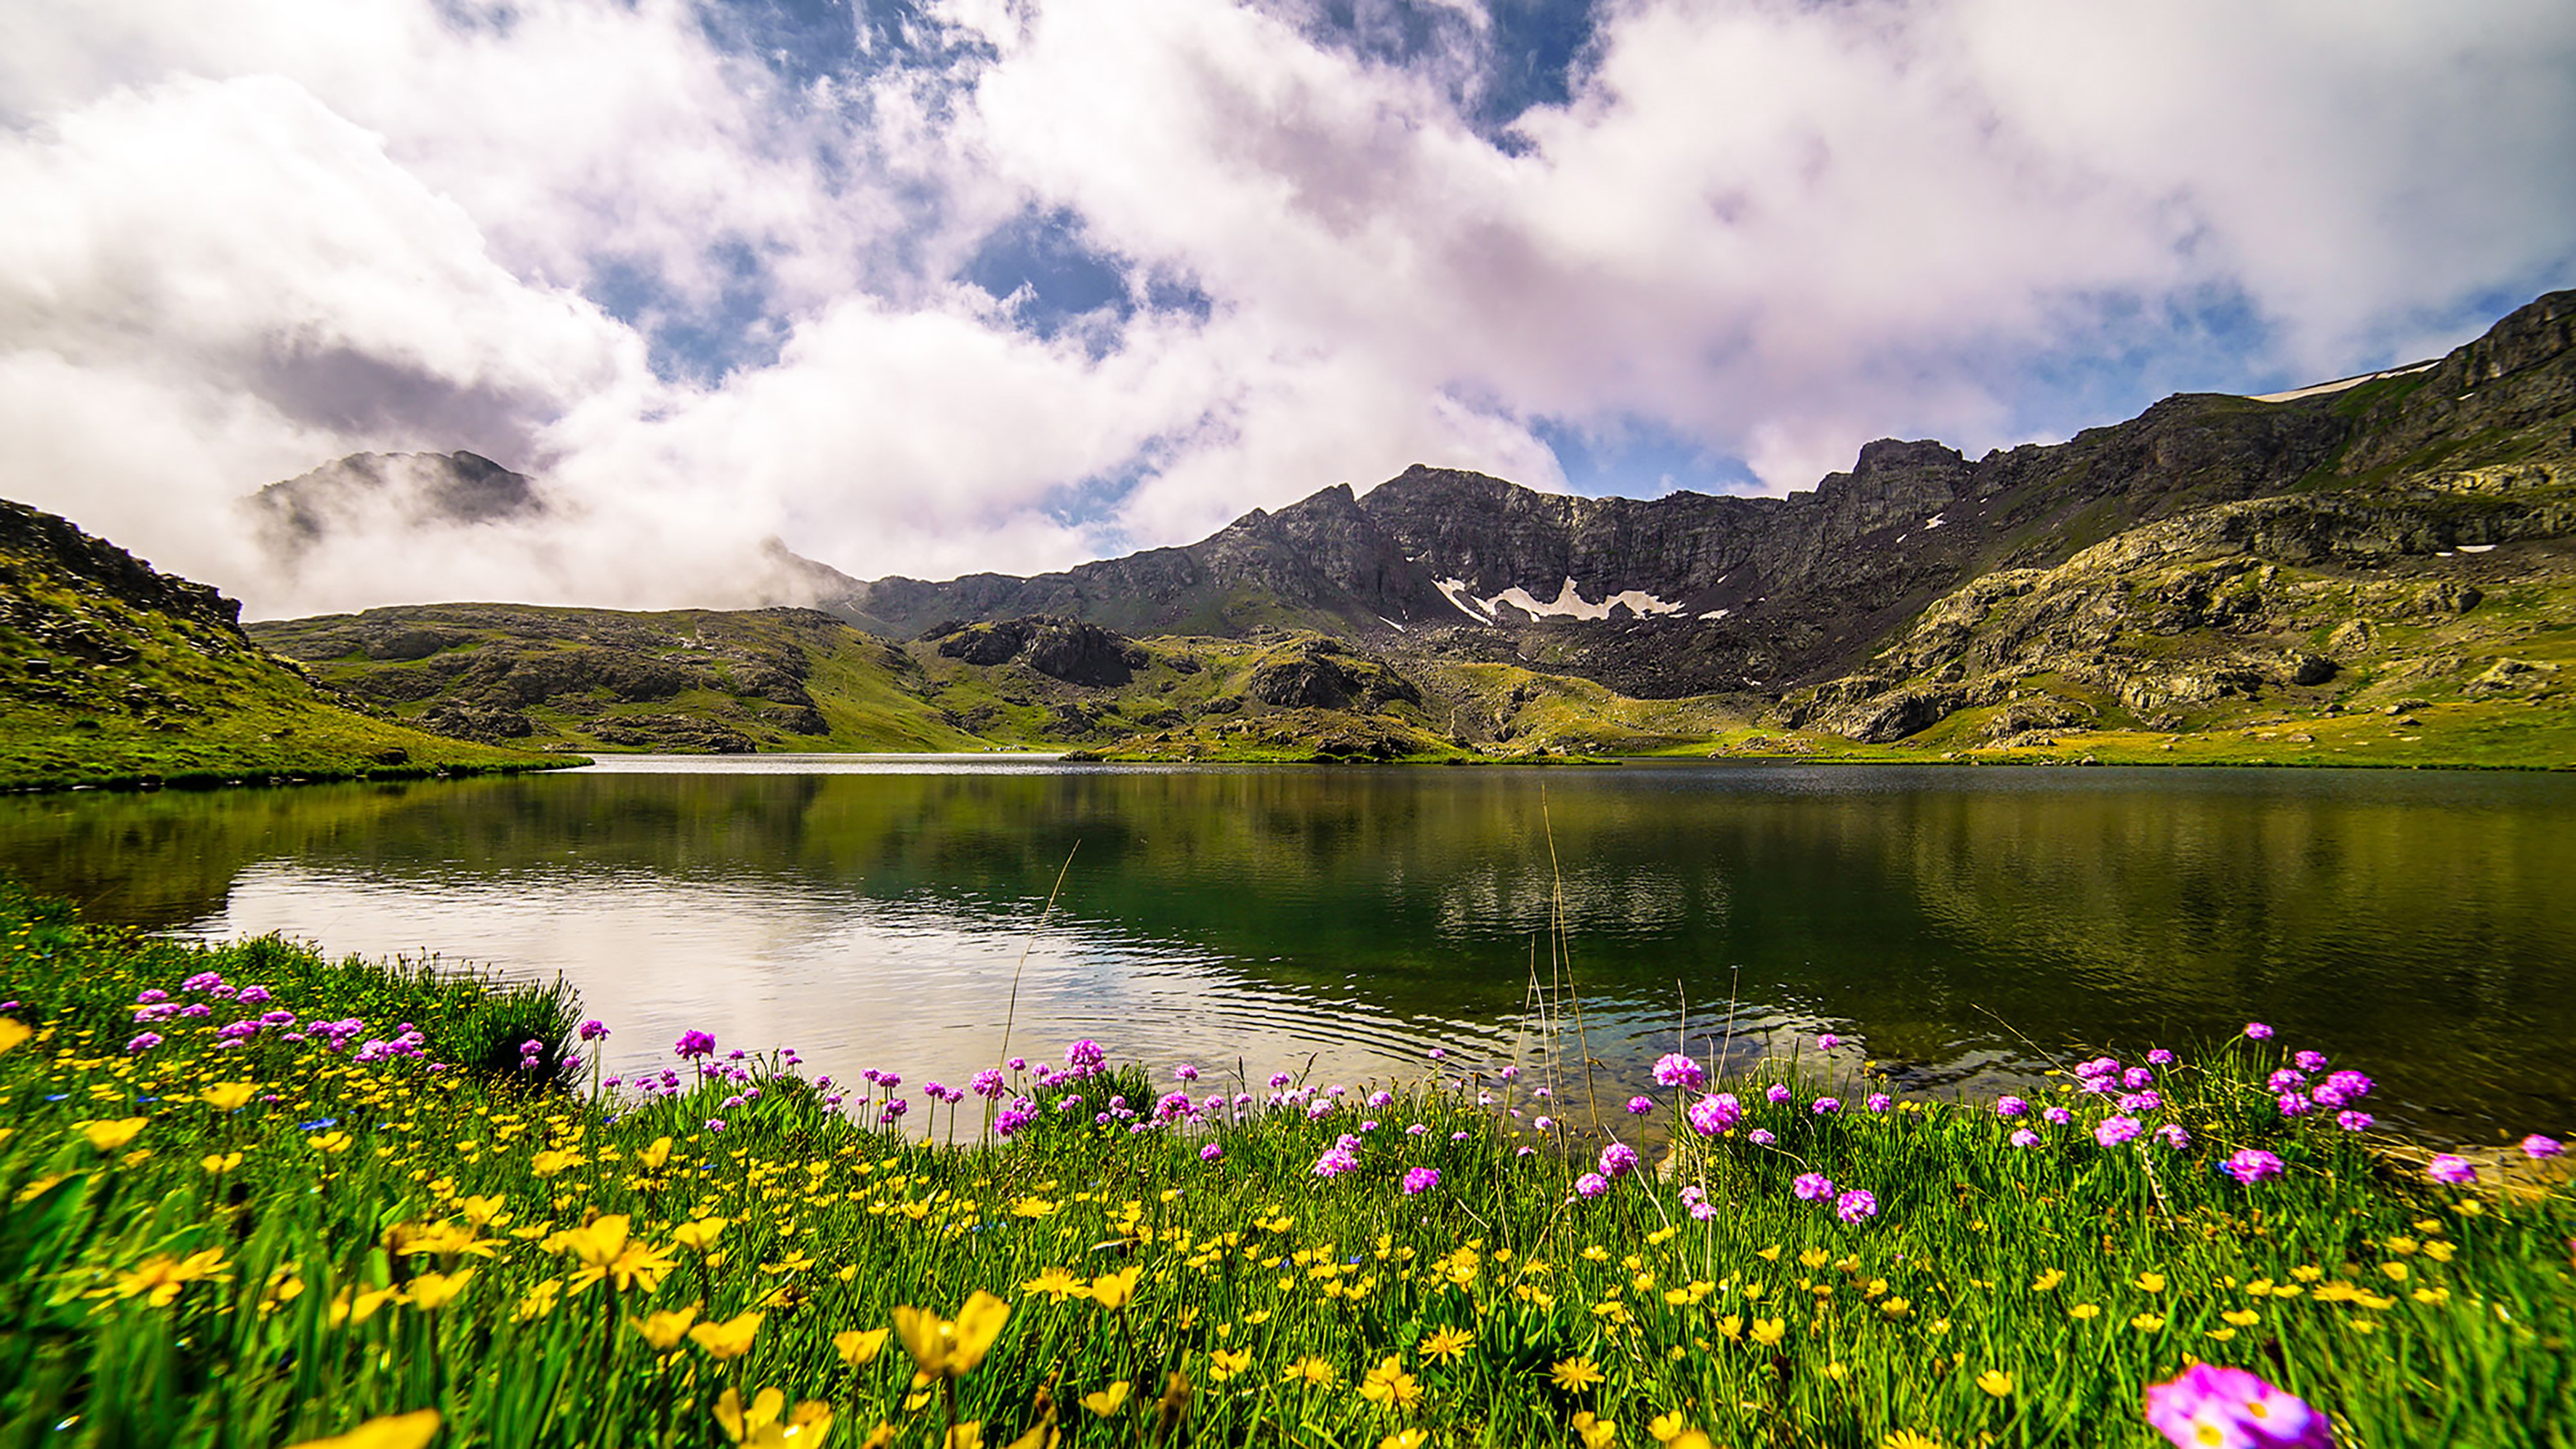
(927,287)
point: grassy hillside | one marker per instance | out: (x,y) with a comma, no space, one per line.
(113,674)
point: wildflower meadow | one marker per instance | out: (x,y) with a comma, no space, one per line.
(252,1196)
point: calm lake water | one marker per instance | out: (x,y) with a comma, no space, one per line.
(1963,924)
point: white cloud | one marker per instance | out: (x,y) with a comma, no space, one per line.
(253,237)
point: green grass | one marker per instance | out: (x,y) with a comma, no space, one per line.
(393,1238)
(94,691)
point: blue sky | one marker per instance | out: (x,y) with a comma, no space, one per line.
(929,286)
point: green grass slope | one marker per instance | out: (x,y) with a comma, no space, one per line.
(113,674)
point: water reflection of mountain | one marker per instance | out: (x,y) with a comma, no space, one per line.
(2410,922)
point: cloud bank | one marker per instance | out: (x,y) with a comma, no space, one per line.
(962,284)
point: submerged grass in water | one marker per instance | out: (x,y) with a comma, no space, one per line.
(256,1235)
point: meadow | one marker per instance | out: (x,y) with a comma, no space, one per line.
(252,1195)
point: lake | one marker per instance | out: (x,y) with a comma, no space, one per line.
(1962,926)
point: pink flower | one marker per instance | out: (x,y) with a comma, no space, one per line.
(2251,1164)
(1855,1205)
(2057,1116)
(2010,1107)
(1618,1160)
(1715,1113)
(1813,1186)
(1211,1153)
(1640,1106)
(2258,1031)
(1185,1073)
(1776,1092)
(1421,1180)
(1336,1161)
(2451,1169)
(2208,1407)
(2175,1137)
(2537,1147)
(2112,1131)
(1828,1042)
(1760,1137)
(1591,1184)
(1825,1106)
(2024,1137)
(1673,1069)
(1879,1102)
(2354,1121)
(2160,1057)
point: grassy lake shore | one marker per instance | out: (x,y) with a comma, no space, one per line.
(300,1195)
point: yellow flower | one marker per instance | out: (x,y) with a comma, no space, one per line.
(1116,1290)
(1595,1433)
(228,1095)
(539,1301)
(1814,1258)
(109,1136)
(362,1306)
(1446,1345)
(1909,1439)
(219,1163)
(2241,1317)
(857,1349)
(1769,1331)
(333,1143)
(2152,1282)
(759,1428)
(1405,1439)
(2085,1310)
(1769,1254)
(2432,1295)
(700,1235)
(2396,1271)
(1223,1365)
(1579,1373)
(1311,1371)
(1390,1385)
(13,1032)
(548,1163)
(394,1431)
(433,1290)
(158,1279)
(665,1330)
(652,1158)
(1732,1326)
(1107,1401)
(38,1188)
(1032,1207)
(607,1252)
(2043,1283)
(2147,1322)
(952,1349)
(1995,1382)
(1666,1427)
(729,1339)
(1058,1285)
(965,1436)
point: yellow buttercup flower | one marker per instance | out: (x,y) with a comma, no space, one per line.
(158,1280)
(759,1427)
(2085,1310)
(1116,1290)
(538,1301)
(727,1340)
(1405,1439)
(858,1349)
(13,1033)
(1909,1439)
(652,1158)
(333,1143)
(1596,1433)
(1769,1331)
(2241,1317)
(1664,1428)
(2045,1281)
(1311,1371)
(219,1163)
(665,1330)
(109,1136)
(952,1349)
(1224,1364)
(700,1235)
(1107,1401)
(228,1095)
(1995,1382)
(2152,1282)
(394,1431)
(2147,1322)
(435,1290)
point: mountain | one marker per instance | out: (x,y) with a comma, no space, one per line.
(112,672)
(409,490)
(1869,606)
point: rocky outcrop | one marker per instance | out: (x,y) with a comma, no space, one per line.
(1059,648)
